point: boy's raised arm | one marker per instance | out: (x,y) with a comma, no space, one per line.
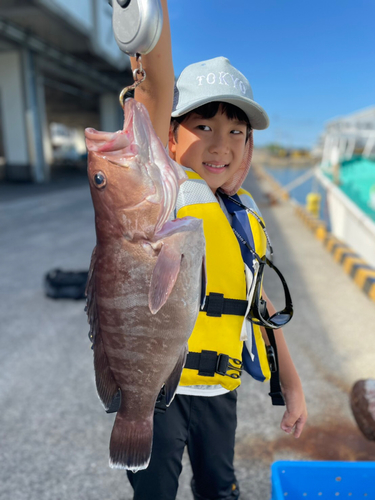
(156,92)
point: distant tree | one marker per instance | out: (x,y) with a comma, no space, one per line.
(276,149)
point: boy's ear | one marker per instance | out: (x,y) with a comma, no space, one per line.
(172,143)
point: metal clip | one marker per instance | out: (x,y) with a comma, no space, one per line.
(237,368)
(139,75)
(224,365)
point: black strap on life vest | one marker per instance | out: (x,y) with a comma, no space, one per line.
(210,362)
(273,361)
(216,305)
(275,389)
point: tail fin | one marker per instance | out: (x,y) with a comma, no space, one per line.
(131,443)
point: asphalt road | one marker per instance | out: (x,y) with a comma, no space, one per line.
(54,433)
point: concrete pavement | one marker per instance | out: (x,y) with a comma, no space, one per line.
(54,433)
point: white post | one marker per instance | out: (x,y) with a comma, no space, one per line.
(22,114)
(370,143)
(352,144)
(34,120)
(326,150)
(17,161)
(46,135)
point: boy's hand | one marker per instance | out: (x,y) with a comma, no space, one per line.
(295,416)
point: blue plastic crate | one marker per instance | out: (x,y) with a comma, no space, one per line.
(323,480)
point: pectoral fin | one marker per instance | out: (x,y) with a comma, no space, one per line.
(163,277)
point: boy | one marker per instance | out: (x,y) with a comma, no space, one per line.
(211,135)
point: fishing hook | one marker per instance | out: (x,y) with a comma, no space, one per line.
(139,75)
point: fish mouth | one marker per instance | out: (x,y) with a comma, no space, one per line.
(115,147)
(106,142)
(120,158)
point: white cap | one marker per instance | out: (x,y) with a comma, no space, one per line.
(217,80)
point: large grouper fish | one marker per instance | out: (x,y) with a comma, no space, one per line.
(144,288)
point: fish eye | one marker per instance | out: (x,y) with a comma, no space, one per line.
(100,180)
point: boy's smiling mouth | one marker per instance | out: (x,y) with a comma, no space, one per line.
(215,166)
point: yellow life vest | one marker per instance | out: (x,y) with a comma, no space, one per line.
(225,275)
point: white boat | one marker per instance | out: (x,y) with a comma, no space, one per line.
(346,139)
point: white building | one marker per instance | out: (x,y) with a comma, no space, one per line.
(59,63)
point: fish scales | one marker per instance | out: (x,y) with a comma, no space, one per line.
(145,279)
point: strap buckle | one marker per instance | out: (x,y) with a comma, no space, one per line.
(225,363)
(271,358)
(210,362)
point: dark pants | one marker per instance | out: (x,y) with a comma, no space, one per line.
(207,426)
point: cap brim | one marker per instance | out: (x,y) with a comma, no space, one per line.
(257,116)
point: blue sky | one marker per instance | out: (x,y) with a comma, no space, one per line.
(307,62)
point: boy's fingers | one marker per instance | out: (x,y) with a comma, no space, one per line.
(287,422)
(290,422)
(299,427)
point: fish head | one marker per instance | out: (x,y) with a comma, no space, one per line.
(133,182)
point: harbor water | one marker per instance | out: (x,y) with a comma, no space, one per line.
(356,179)
(287,175)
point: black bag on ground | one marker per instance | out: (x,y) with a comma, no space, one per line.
(60,284)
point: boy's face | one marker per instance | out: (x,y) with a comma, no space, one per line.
(212,147)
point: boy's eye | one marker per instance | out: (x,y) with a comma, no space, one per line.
(204,127)
(236,132)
